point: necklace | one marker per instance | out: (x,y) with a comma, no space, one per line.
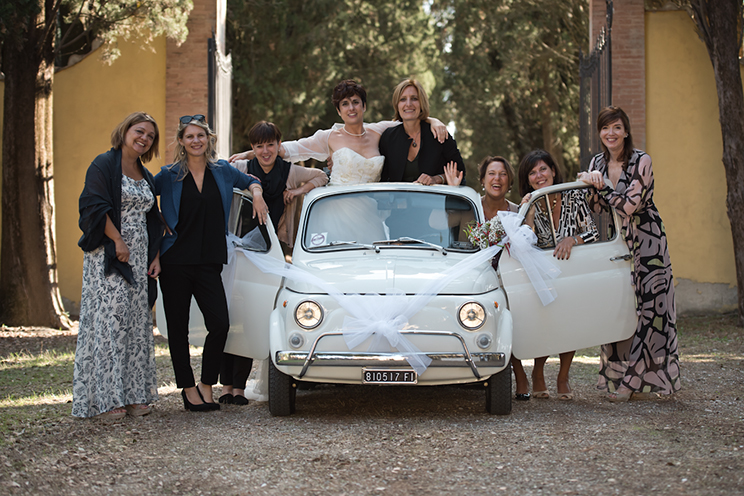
(352,134)
(414,138)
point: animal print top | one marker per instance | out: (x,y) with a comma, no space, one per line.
(575,220)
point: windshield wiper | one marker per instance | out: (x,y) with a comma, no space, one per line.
(406,239)
(351,243)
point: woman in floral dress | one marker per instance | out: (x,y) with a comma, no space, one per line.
(115,358)
(648,362)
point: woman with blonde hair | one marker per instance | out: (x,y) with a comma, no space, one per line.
(115,354)
(412,153)
(196,195)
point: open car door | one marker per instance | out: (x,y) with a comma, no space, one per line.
(252,293)
(595,301)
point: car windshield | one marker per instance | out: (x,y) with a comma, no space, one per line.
(380,220)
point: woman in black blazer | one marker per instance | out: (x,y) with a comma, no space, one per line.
(411,152)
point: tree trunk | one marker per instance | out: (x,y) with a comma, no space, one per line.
(719,22)
(720,25)
(29,291)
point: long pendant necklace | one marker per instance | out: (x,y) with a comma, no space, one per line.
(552,208)
(414,138)
(355,135)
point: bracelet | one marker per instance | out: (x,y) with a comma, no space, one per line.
(576,240)
(441,176)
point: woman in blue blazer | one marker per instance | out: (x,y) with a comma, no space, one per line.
(195,197)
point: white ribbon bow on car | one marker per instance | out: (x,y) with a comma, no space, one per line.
(384,316)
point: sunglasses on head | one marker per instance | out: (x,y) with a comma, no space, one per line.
(188,118)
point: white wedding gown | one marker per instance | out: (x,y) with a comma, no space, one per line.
(351,168)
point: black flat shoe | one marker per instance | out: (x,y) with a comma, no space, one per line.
(522,396)
(226,399)
(211,405)
(201,407)
(239,400)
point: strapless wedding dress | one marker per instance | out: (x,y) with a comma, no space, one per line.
(351,168)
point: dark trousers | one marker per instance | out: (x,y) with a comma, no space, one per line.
(178,283)
(235,370)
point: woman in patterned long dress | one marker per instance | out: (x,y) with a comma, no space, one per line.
(648,362)
(115,356)
(571,218)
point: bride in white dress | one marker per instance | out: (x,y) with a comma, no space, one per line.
(353,146)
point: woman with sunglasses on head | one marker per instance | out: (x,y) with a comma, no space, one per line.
(195,196)
(115,355)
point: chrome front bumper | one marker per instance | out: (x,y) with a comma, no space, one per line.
(381,359)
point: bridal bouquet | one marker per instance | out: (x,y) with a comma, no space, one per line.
(485,234)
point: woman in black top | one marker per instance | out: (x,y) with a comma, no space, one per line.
(411,151)
(196,195)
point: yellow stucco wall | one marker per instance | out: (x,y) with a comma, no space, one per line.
(684,141)
(90,100)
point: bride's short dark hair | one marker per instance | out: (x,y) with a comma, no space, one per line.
(346,89)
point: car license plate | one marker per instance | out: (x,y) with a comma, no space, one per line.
(389,376)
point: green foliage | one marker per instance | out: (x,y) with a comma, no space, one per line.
(78,23)
(512,73)
(110,20)
(289,54)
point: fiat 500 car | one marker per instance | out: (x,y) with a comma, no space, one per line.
(384,288)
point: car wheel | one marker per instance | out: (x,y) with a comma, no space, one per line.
(282,392)
(498,393)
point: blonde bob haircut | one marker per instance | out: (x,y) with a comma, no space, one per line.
(179,152)
(423,99)
(118,135)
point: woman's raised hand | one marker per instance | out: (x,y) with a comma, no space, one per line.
(525,199)
(452,175)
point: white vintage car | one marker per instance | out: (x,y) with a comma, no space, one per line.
(369,300)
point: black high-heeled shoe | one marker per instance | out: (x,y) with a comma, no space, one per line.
(212,405)
(202,407)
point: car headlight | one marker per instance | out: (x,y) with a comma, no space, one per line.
(472,315)
(308,314)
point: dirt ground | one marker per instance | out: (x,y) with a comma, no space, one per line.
(357,440)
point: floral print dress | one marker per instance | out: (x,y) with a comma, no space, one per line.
(648,361)
(115,355)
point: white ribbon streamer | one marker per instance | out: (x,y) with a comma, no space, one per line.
(382,317)
(522,242)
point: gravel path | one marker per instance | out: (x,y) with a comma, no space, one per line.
(357,440)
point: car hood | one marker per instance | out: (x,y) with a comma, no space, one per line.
(369,272)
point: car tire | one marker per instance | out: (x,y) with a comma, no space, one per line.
(282,392)
(498,393)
